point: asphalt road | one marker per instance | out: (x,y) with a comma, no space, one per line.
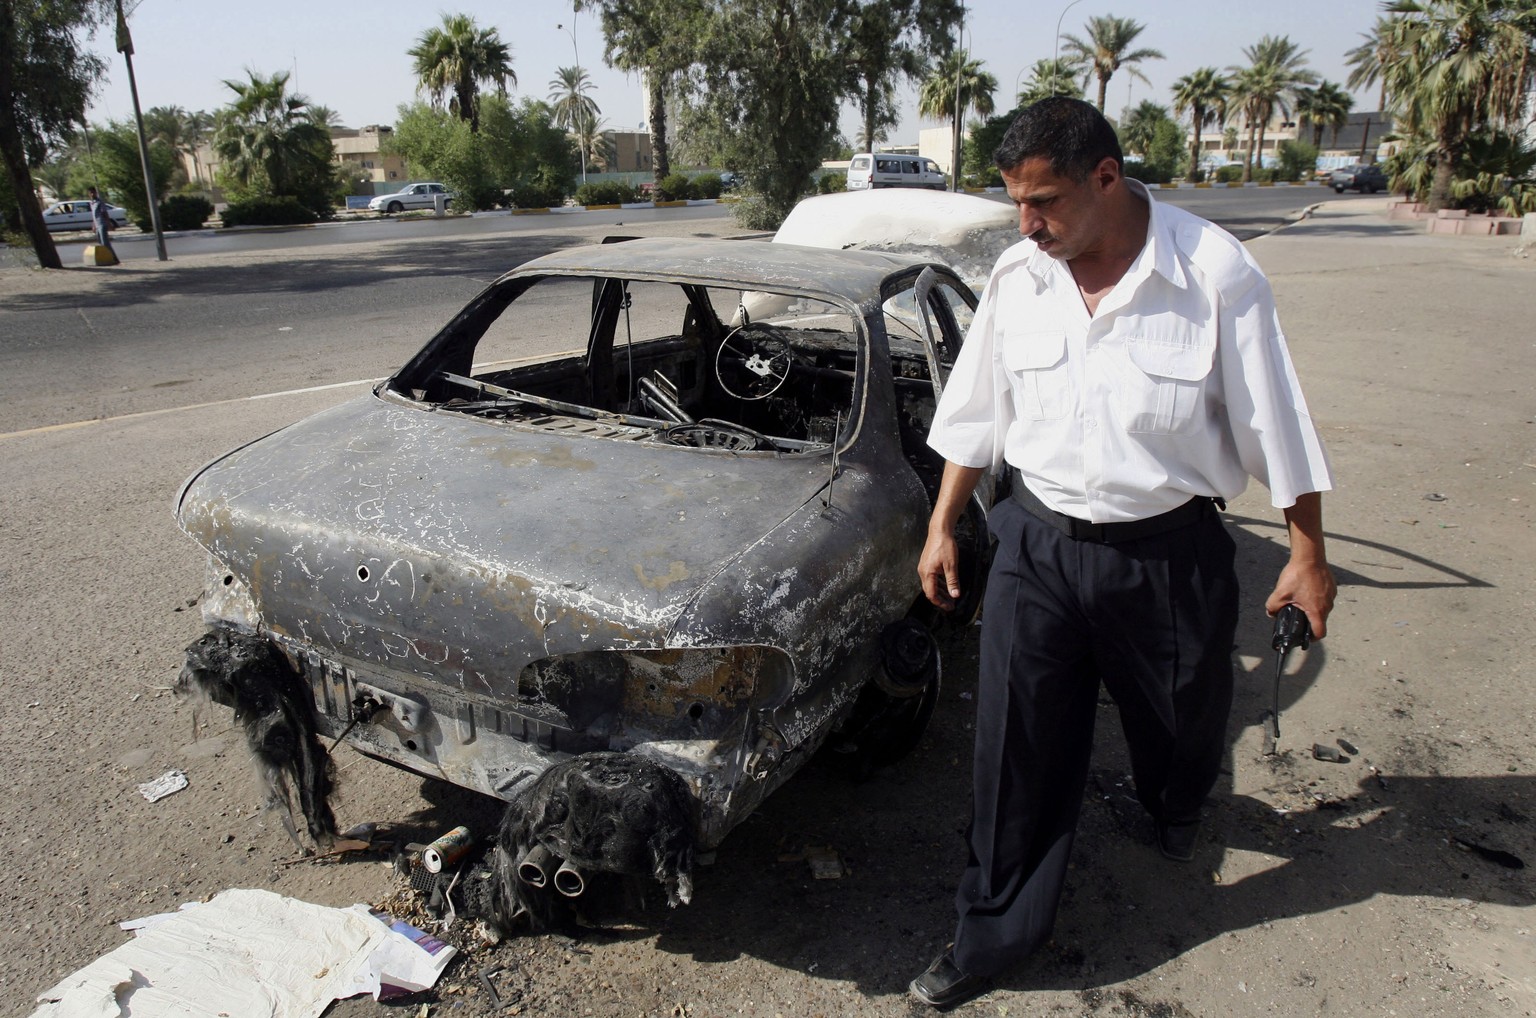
(1246,212)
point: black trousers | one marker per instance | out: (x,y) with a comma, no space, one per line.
(1154,620)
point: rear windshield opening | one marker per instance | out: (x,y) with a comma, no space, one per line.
(708,367)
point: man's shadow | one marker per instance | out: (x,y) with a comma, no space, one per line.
(901,834)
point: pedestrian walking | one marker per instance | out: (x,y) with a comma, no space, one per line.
(1126,370)
(101,219)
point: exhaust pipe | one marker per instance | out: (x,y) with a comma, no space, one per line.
(533,867)
(569,880)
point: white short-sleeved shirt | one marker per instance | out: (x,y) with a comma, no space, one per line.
(1179,385)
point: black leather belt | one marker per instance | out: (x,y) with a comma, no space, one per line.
(1112,533)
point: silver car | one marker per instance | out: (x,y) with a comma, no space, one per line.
(629,539)
(416,196)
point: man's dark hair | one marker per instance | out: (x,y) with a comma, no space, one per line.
(1071,133)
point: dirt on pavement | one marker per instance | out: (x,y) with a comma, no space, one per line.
(1368,885)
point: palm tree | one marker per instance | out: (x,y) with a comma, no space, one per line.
(955,85)
(1203,94)
(453,60)
(1276,68)
(886,43)
(1140,127)
(573,109)
(657,40)
(1465,68)
(1107,49)
(168,124)
(1383,47)
(1051,77)
(1327,105)
(266,136)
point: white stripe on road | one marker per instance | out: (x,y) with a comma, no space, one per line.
(178,409)
(71,425)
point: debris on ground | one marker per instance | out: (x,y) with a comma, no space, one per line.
(169,783)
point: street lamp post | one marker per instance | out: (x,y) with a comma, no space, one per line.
(581,138)
(960,61)
(125,47)
(1056,53)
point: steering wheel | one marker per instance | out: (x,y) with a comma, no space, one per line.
(714,434)
(764,361)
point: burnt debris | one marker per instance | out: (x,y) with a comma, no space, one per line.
(613,813)
(271,701)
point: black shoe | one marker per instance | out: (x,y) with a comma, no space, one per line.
(943,985)
(1177,841)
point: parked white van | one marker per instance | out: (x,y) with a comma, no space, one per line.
(870,170)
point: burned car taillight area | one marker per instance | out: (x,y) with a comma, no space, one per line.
(625,544)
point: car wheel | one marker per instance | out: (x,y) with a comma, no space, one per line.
(1337,189)
(882,727)
(1371,189)
(395,207)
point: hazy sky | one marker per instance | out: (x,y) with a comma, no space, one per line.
(352,58)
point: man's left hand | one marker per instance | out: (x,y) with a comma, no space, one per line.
(1311,588)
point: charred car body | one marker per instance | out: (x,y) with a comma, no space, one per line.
(655,498)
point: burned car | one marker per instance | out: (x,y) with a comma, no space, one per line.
(657,501)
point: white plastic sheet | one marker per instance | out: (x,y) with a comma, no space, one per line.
(249,953)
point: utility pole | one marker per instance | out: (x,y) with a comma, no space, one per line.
(125,47)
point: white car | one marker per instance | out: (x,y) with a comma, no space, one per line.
(416,196)
(76,215)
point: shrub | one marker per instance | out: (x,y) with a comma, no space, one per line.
(1229,174)
(706,185)
(604,192)
(831,183)
(1297,160)
(1264,174)
(1147,173)
(673,187)
(284,211)
(185,212)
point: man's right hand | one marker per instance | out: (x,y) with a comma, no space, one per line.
(939,570)
(939,566)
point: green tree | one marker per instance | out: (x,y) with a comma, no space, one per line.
(1203,95)
(119,172)
(1276,68)
(1107,49)
(270,145)
(654,38)
(45,80)
(453,60)
(1464,69)
(956,85)
(1049,78)
(887,42)
(983,140)
(1326,106)
(1139,128)
(764,94)
(518,147)
(573,109)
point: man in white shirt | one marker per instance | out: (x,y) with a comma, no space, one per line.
(1127,370)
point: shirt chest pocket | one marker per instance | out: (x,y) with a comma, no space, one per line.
(1036,364)
(1160,381)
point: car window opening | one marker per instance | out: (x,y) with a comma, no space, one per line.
(680,364)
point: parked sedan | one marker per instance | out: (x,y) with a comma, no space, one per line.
(76,215)
(613,547)
(416,196)
(1366,179)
